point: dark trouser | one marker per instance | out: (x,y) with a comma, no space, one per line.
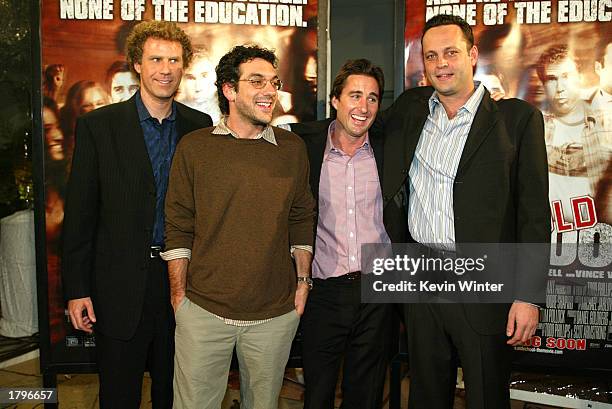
(438,335)
(336,326)
(122,363)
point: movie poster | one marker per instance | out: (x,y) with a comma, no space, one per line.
(84,68)
(557,55)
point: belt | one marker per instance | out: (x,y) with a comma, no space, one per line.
(155,251)
(354,275)
(431,252)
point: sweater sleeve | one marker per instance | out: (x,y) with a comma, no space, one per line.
(301,214)
(180,203)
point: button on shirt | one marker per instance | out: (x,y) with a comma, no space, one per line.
(432,173)
(160,139)
(350,209)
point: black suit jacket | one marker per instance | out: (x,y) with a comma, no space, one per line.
(500,193)
(314,135)
(110,212)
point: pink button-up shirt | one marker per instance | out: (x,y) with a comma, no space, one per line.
(350,209)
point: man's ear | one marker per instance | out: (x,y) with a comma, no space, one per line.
(229,91)
(137,67)
(598,68)
(474,55)
(334,102)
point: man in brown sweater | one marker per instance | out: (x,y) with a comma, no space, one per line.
(238,206)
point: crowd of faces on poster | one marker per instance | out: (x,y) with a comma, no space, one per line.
(84,68)
(556,55)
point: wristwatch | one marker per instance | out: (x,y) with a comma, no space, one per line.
(306,280)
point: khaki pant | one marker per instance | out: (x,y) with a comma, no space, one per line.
(204,346)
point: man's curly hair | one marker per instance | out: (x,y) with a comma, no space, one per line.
(162,30)
(552,55)
(228,69)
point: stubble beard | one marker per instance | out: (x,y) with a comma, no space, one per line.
(250,114)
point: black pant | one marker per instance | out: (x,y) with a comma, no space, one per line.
(336,326)
(438,336)
(122,363)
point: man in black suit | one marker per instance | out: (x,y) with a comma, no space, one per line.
(114,279)
(345,163)
(462,168)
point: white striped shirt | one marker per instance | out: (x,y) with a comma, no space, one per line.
(434,167)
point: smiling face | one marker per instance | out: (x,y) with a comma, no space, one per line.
(357,105)
(53,135)
(123,86)
(93,98)
(199,81)
(562,86)
(161,69)
(448,61)
(249,105)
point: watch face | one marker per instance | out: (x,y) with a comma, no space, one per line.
(306,280)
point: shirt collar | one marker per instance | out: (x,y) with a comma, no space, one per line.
(471,105)
(143,112)
(267,134)
(329,145)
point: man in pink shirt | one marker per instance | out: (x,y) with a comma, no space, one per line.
(345,163)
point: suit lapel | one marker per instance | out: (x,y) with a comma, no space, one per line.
(130,139)
(376,141)
(414,133)
(400,147)
(183,124)
(316,149)
(484,121)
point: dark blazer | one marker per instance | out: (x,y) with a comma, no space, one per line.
(110,211)
(501,187)
(314,135)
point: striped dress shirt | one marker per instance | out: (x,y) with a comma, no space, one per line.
(350,209)
(432,173)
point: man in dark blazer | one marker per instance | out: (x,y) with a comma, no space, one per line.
(345,164)
(114,280)
(462,168)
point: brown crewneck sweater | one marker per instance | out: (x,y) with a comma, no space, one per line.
(239,204)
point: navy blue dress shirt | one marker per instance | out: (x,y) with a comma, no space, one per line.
(160,139)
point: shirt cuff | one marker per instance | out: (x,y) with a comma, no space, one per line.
(175,254)
(301,247)
(530,303)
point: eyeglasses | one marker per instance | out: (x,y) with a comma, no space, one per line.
(259,83)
